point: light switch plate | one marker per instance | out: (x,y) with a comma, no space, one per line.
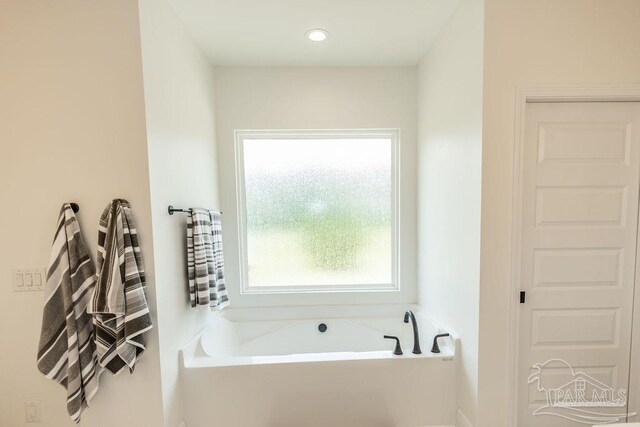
(29,279)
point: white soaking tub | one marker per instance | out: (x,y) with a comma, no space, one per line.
(281,371)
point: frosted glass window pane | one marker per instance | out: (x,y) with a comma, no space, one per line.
(318,211)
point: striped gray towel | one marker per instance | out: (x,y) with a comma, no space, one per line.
(119,305)
(67,352)
(205,261)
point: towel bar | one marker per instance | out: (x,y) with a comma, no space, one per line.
(172,210)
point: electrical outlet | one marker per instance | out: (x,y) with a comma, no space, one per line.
(32,411)
(29,279)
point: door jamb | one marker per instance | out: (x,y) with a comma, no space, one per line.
(525,95)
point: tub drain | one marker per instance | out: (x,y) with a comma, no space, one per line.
(322,328)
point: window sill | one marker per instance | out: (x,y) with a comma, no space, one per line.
(297,290)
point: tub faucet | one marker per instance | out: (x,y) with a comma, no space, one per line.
(416,337)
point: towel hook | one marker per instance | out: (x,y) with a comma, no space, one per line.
(74,207)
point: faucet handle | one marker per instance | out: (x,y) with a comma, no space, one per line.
(435,348)
(398,350)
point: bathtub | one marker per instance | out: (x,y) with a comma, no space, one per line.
(274,367)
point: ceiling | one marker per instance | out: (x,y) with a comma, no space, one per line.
(272,32)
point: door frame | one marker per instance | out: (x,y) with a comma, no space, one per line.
(531,94)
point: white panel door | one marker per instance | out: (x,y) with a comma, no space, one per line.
(579,232)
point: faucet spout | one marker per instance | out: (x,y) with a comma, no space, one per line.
(416,336)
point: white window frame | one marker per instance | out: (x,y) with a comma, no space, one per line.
(391,134)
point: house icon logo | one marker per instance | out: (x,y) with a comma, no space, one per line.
(578,396)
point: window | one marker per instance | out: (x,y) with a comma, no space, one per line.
(317,210)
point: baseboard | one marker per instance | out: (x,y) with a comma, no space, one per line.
(462,420)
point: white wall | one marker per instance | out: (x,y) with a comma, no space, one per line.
(541,43)
(71,129)
(449,163)
(178,83)
(317,98)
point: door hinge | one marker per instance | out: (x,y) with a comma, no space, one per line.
(523,297)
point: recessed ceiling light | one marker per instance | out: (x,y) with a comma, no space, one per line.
(317,34)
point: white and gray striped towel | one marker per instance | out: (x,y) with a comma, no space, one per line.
(119,304)
(205,261)
(67,352)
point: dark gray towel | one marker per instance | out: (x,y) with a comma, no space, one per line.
(67,352)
